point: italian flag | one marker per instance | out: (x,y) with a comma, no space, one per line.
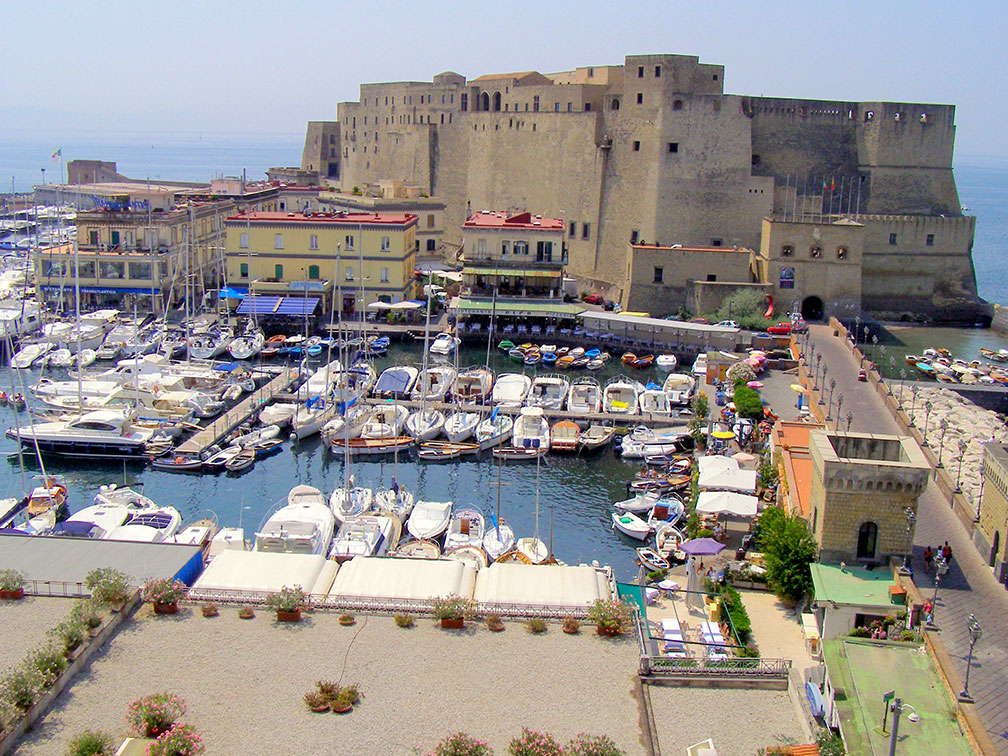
(58,154)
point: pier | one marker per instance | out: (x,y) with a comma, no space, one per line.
(239,413)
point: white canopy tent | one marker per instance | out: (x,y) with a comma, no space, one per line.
(511,584)
(403,579)
(254,573)
(724,474)
(379,305)
(406,304)
(727,502)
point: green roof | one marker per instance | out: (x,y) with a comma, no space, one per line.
(861,671)
(512,307)
(523,272)
(852,585)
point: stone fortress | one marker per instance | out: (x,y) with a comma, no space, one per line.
(654,151)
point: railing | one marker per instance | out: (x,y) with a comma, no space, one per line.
(56,588)
(736,667)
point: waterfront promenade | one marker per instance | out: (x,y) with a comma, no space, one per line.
(969,587)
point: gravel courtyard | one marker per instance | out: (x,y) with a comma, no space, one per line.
(25,623)
(243,681)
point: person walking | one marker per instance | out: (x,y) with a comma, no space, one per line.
(946,553)
(928,556)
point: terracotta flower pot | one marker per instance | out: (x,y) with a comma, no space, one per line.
(608,632)
(165,607)
(449,623)
(294,616)
(570,630)
(342,708)
(320,709)
(347,621)
(13,595)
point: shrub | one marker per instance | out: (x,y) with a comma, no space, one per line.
(830,744)
(246,612)
(788,548)
(860,632)
(163,591)
(209,609)
(611,614)
(592,745)
(451,607)
(461,744)
(731,604)
(328,689)
(86,612)
(403,620)
(91,743)
(179,740)
(537,625)
(740,373)
(154,714)
(532,743)
(350,693)
(494,621)
(655,575)
(768,472)
(19,687)
(748,403)
(69,633)
(315,700)
(908,636)
(49,662)
(287,600)
(701,406)
(11,580)
(346,619)
(109,587)
(571,625)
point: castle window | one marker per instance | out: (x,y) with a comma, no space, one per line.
(587,107)
(556,107)
(497,102)
(787,250)
(430,221)
(929,241)
(464,102)
(244,270)
(572,230)
(711,277)
(755,160)
(892,239)
(570,106)
(815,253)
(278,241)
(673,146)
(615,103)
(640,98)
(535,103)
(714,78)
(504,247)
(677,105)
(657,71)
(640,72)
(659,274)
(866,540)
(636,146)
(242,239)
(585,230)
(716,242)
(841,253)
(521,248)
(431,245)
(634,235)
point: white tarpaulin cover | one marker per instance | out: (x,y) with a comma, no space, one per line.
(728,502)
(260,571)
(547,585)
(723,473)
(403,579)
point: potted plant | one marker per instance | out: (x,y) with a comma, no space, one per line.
(328,690)
(91,743)
(343,703)
(153,715)
(592,745)
(20,686)
(12,585)
(570,625)
(246,612)
(70,635)
(108,587)
(316,701)
(403,620)
(209,609)
(494,622)
(462,744)
(536,625)
(287,603)
(346,620)
(451,610)
(49,662)
(164,594)
(179,740)
(532,743)
(86,612)
(611,616)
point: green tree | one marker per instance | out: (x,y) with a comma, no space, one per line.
(747,307)
(748,403)
(788,549)
(701,406)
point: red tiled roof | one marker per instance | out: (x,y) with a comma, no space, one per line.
(500,219)
(350,219)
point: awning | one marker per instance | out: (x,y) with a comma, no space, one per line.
(233,293)
(521,308)
(515,272)
(379,306)
(406,304)
(278,306)
(723,473)
(727,502)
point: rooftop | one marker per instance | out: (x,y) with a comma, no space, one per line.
(683,248)
(500,219)
(504,307)
(861,671)
(347,219)
(852,586)
(792,438)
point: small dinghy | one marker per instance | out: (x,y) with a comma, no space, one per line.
(179,463)
(219,460)
(631,525)
(652,559)
(242,460)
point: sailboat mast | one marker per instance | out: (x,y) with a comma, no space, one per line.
(500,465)
(17,422)
(80,370)
(493,311)
(344,358)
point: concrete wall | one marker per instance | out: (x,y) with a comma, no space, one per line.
(679,269)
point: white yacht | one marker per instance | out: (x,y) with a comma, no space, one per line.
(210,344)
(494,431)
(356,501)
(248,345)
(429,519)
(304,526)
(498,539)
(679,387)
(141,342)
(473,384)
(620,395)
(320,383)
(465,529)
(548,391)
(530,430)
(27,354)
(384,421)
(112,507)
(396,382)
(445,345)
(155,525)
(398,501)
(585,395)
(459,425)
(346,426)
(434,383)
(362,535)
(510,390)
(278,413)
(102,433)
(655,402)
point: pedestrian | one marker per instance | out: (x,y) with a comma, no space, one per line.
(946,553)
(928,556)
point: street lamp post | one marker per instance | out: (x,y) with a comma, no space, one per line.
(829,406)
(902,378)
(825,372)
(874,341)
(857,327)
(911,518)
(839,404)
(815,379)
(850,417)
(897,709)
(941,567)
(913,402)
(975,633)
(730,303)
(927,414)
(963,446)
(942,427)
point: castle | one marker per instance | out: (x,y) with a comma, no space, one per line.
(655,150)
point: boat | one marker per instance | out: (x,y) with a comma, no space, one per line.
(27,354)
(363,535)
(510,390)
(666,361)
(473,385)
(429,519)
(142,341)
(379,446)
(549,359)
(580,362)
(651,559)
(564,362)
(926,368)
(417,549)
(397,501)
(667,539)
(255,436)
(564,436)
(444,344)
(350,502)
(309,417)
(211,344)
(149,524)
(101,433)
(585,395)
(459,426)
(304,526)
(465,529)
(547,391)
(174,344)
(620,396)
(396,382)
(384,421)
(642,362)
(506,345)
(273,346)
(498,539)
(248,345)
(531,430)
(425,424)
(643,442)
(434,383)
(655,402)
(182,463)
(267,447)
(494,431)
(46,504)
(242,460)
(533,550)
(472,555)
(57,358)
(200,533)
(517,354)
(346,426)
(220,458)
(669,508)
(110,509)
(679,387)
(596,437)
(631,525)
(438,451)
(638,504)
(532,358)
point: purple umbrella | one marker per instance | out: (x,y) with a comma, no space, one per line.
(702,547)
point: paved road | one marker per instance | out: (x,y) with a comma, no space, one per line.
(969,587)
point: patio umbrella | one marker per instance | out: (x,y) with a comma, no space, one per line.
(755,384)
(799,388)
(702,547)
(723,435)
(379,306)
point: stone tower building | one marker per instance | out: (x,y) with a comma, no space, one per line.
(654,150)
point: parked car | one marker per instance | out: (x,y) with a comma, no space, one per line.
(608,305)
(862,375)
(595,299)
(728,324)
(781,329)
(701,321)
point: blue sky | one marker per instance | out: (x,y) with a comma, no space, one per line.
(75,69)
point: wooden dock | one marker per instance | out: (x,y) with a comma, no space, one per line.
(239,413)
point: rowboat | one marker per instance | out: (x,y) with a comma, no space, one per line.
(241,461)
(596,437)
(440,451)
(179,463)
(631,525)
(564,436)
(642,362)
(376,446)
(418,550)
(506,345)
(652,559)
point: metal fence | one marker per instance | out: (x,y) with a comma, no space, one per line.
(736,667)
(56,588)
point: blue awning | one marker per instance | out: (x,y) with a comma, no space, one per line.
(232,293)
(258,305)
(297,306)
(278,306)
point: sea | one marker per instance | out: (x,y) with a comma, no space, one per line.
(566,500)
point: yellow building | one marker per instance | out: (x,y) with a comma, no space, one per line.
(370,256)
(991,534)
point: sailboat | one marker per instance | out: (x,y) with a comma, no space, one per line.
(427,422)
(500,538)
(533,548)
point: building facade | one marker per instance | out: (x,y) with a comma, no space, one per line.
(520,255)
(654,147)
(360,257)
(991,534)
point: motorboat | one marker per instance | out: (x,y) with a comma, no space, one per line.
(320,382)
(473,385)
(425,423)
(666,362)
(494,431)
(472,555)
(620,396)
(641,503)
(273,346)
(362,535)
(397,501)
(668,508)
(57,358)
(200,533)
(534,550)
(45,504)
(278,414)
(304,526)
(679,387)
(465,529)
(414,549)
(531,430)
(396,382)
(174,344)
(429,519)
(548,391)
(655,403)
(248,345)
(564,436)
(498,539)
(585,395)
(459,426)
(149,525)
(253,437)
(384,421)
(445,345)
(667,539)
(596,437)
(434,383)
(101,433)
(643,442)
(220,458)
(699,369)
(631,525)
(142,341)
(510,390)
(351,502)
(27,354)
(241,461)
